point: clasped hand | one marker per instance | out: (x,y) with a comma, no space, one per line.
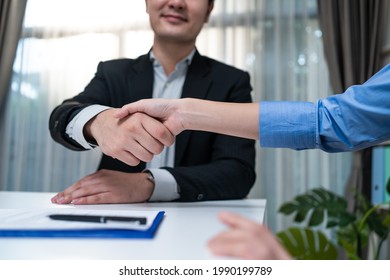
(131,138)
(137,131)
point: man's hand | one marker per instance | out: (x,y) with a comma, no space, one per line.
(134,138)
(165,110)
(107,186)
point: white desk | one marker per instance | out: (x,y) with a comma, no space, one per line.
(182,235)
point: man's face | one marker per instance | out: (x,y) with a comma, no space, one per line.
(178,20)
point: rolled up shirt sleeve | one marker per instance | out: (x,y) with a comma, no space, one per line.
(354,120)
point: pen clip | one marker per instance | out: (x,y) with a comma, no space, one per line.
(139,220)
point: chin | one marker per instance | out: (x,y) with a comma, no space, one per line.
(176,37)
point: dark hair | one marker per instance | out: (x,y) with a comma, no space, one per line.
(211,1)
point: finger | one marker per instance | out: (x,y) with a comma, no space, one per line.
(103,196)
(147,138)
(60,198)
(147,144)
(63,197)
(55,198)
(137,143)
(84,192)
(134,156)
(130,159)
(236,221)
(121,152)
(76,190)
(158,132)
(127,110)
(99,198)
(121,113)
(138,152)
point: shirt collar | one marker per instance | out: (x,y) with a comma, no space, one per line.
(187,60)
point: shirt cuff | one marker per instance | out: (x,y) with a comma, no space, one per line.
(76,126)
(285,124)
(165,186)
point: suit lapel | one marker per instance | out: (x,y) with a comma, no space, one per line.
(140,80)
(196,85)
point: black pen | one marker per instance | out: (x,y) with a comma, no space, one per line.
(97,219)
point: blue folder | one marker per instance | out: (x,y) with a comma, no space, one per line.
(87,233)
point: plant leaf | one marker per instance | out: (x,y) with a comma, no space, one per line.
(339,218)
(288,208)
(347,238)
(317,204)
(306,244)
(316,217)
(377,222)
(386,220)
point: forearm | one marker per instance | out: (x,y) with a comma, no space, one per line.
(234,119)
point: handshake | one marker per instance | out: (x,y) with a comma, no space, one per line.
(138,131)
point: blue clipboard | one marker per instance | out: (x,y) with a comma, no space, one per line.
(86,233)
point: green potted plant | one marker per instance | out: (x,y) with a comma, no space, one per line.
(318,210)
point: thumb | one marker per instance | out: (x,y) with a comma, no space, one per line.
(126,110)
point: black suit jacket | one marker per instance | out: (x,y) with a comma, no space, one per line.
(208,166)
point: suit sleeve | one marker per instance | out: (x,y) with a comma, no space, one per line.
(59,119)
(96,92)
(229,172)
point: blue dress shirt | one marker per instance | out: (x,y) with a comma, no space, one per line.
(351,121)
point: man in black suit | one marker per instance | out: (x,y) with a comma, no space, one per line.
(200,165)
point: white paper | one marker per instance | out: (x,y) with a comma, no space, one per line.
(22,219)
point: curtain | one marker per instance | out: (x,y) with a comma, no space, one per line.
(291,66)
(11,18)
(280,43)
(57,56)
(353,33)
(277,41)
